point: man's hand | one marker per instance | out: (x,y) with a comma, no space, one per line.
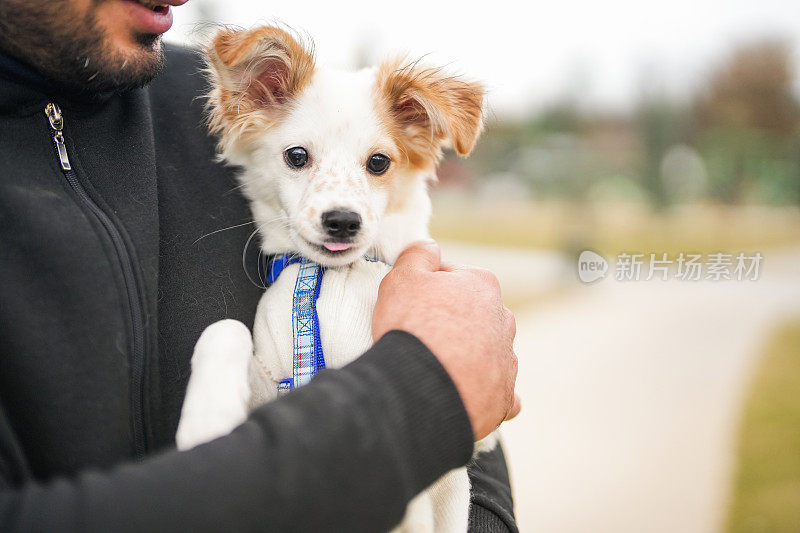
(456,311)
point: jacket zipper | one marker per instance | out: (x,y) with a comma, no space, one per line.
(136,306)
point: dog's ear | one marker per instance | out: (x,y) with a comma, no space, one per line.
(254,73)
(428,108)
(265,65)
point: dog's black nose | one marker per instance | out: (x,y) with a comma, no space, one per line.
(341,224)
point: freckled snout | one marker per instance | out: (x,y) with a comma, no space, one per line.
(341,224)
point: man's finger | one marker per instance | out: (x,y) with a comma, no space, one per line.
(516,407)
(420,255)
(512,321)
(447,266)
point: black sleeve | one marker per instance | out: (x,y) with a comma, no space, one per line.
(345,453)
(492,508)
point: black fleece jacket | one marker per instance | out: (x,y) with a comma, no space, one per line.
(109,271)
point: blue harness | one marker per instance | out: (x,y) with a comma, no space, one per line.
(307,356)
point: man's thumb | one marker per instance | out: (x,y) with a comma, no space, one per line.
(420,255)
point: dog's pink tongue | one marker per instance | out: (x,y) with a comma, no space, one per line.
(336,246)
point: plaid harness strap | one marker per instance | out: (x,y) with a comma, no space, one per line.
(307,356)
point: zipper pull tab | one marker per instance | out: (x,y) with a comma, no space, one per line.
(53,113)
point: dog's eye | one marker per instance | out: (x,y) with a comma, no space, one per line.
(378,163)
(296,157)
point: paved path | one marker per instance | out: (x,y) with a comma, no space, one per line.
(631,395)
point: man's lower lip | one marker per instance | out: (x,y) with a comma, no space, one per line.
(147,20)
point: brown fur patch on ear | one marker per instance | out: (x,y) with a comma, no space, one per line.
(254,75)
(424,108)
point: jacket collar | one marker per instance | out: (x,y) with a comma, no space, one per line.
(24,91)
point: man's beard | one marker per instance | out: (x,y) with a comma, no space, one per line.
(73,49)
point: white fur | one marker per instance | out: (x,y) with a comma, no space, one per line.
(335,119)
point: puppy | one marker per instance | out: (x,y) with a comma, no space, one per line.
(336,167)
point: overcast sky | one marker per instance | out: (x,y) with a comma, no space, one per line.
(529,54)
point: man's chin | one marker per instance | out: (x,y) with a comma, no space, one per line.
(89,56)
(127,69)
(149,41)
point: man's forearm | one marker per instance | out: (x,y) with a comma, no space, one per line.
(344,453)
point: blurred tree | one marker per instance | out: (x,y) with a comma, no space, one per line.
(562,117)
(741,131)
(748,122)
(753,89)
(661,125)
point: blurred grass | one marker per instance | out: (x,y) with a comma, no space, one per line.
(767,488)
(614,228)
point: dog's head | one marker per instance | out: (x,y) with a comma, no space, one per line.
(336,164)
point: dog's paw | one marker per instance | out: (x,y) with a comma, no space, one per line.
(195,429)
(218,393)
(227,341)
